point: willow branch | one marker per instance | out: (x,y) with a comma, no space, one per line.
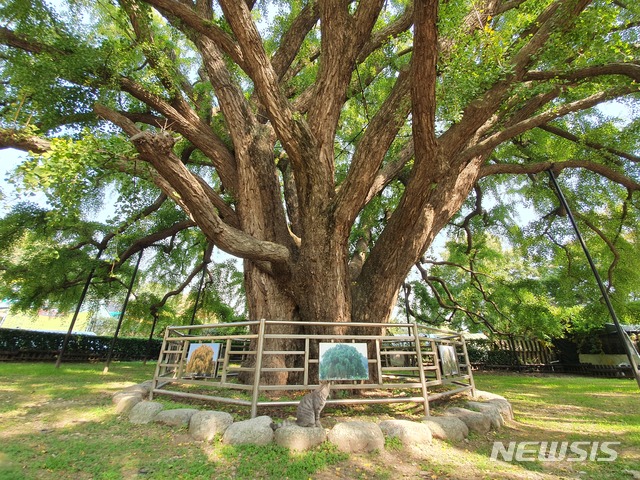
(380,37)
(557,17)
(455,305)
(390,171)
(631,70)
(477,211)
(11,39)
(102,244)
(204,26)
(148,240)
(180,288)
(612,248)
(417,315)
(291,131)
(292,39)
(543,118)
(371,150)
(154,207)
(423,80)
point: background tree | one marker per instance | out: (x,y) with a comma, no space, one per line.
(284,130)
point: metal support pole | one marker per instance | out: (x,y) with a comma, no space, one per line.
(257,369)
(77,312)
(603,290)
(124,308)
(423,379)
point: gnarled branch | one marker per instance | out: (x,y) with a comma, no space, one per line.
(538,167)
(10,138)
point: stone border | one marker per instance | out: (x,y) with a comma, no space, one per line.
(485,412)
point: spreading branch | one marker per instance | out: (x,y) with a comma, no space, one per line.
(150,239)
(293,134)
(538,167)
(491,142)
(423,82)
(204,26)
(631,70)
(452,304)
(12,39)
(594,145)
(10,138)
(371,150)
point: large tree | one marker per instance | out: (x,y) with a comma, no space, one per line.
(326,143)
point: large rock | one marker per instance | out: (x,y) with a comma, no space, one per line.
(178,417)
(298,438)
(447,428)
(504,407)
(489,410)
(206,425)
(143,388)
(126,401)
(356,437)
(408,432)
(506,411)
(256,431)
(482,395)
(476,422)
(144,412)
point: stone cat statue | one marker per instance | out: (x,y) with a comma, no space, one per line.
(309,408)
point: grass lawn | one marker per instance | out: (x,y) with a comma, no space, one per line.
(61,424)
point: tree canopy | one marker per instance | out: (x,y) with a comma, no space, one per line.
(328,142)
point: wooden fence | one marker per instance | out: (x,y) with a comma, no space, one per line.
(527,352)
(417,365)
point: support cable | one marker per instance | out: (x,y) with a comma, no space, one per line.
(124,308)
(603,290)
(65,342)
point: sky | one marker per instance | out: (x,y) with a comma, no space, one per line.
(9,160)
(9,197)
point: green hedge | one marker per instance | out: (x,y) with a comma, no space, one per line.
(125,349)
(477,350)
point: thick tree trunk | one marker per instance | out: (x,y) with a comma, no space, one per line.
(268,299)
(318,291)
(321,280)
(410,231)
(262,215)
